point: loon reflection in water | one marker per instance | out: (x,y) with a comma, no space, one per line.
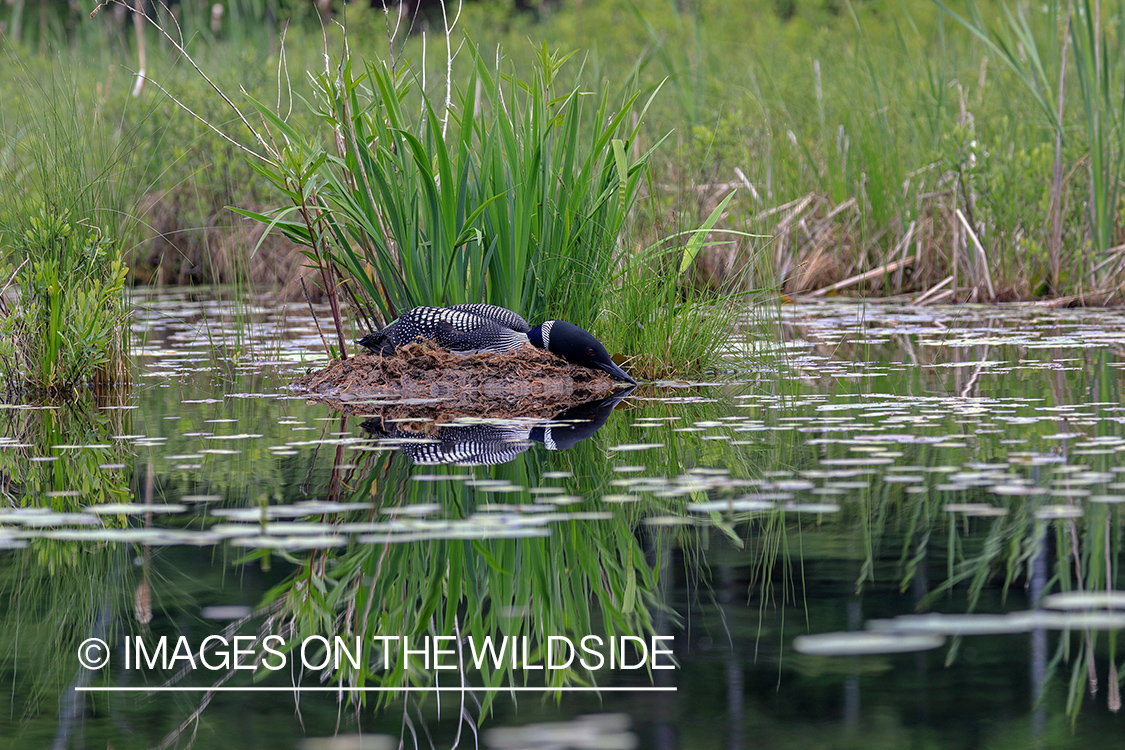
(491,444)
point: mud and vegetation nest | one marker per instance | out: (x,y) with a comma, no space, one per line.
(422,381)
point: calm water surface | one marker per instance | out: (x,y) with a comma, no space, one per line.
(884,531)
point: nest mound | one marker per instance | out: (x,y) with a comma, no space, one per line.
(423,381)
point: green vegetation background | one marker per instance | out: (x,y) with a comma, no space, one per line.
(858,135)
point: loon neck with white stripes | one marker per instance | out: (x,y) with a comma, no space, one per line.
(540,335)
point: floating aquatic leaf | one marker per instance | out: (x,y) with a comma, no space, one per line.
(668,521)
(1017,490)
(856,643)
(952,624)
(144,536)
(790,485)
(201,498)
(620,498)
(564,499)
(487,484)
(975,509)
(134,509)
(225,612)
(295,528)
(290,542)
(635,447)
(810,507)
(421,509)
(464,532)
(865,461)
(1059,512)
(1082,600)
(748,503)
(510,508)
(1081,620)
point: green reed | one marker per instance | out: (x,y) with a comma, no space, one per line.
(61,238)
(1038,47)
(516,194)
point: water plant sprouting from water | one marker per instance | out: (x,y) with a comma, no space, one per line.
(516,196)
(63,317)
(67,326)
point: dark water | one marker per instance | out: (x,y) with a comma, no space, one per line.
(879,463)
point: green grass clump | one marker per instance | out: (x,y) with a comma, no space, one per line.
(63,321)
(68,325)
(517,193)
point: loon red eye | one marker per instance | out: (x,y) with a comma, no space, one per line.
(590,351)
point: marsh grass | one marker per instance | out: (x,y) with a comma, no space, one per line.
(65,322)
(1038,47)
(674,327)
(859,138)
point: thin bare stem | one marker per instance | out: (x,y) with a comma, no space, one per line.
(282,66)
(179,47)
(142,57)
(449,55)
(315,321)
(1054,220)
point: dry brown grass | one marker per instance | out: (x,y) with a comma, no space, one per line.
(228,249)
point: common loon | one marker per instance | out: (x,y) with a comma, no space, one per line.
(488,328)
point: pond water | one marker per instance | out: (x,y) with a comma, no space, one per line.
(898,527)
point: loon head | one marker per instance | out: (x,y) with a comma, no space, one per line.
(575,345)
(378,342)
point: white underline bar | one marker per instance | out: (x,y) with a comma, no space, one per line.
(412,689)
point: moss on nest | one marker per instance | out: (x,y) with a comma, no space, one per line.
(422,381)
